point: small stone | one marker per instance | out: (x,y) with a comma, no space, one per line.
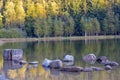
(87,70)
(97,68)
(108,67)
(72,69)
(34,62)
(23,62)
(112,63)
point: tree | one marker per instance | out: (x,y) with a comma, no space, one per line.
(20,14)
(9,14)
(1,24)
(58,27)
(38,28)
(68,25)
(109,22)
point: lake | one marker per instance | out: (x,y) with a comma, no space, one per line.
(39,50)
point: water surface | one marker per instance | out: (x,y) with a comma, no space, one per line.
(38,51)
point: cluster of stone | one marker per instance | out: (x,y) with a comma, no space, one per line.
(89,58)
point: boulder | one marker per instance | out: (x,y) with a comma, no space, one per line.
(13,54)
(102,59)
(68,58)
(46,62)
(56,64)
(89,58)
(52,63)
(111,63)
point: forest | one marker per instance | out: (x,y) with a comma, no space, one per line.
(54,18)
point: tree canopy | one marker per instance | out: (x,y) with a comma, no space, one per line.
(46,18)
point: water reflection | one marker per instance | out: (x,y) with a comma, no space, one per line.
(38,51)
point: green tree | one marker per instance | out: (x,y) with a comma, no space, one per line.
(58,27)
(109,22)
(68,26)
(38,28)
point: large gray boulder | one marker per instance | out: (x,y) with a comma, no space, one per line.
(56,64)
(90,58)
(13,54)
(102,59)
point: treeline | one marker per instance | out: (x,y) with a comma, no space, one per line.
(49,18)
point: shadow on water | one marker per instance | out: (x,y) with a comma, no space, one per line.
(38,51)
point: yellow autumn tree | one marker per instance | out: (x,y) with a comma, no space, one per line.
(9,14)
(20,14)
(40,10)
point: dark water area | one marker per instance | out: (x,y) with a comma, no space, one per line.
(38,51)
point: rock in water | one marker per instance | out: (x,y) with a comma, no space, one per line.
(22,62)
(56,64)
(108,67)
(13,54)
(97,68)
(46,62)
(111,63)
(72,69)
(89,69)
(102,59)
(68,58)
(89,58)
(34,62)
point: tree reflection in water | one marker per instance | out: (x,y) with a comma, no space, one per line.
(38,51)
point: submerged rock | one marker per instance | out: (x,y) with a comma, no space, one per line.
(89,69)
(68,63)
(72,69)
(89,58)
(108,67)
(97,68)
(111,63)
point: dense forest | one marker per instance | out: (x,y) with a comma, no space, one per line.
(51,18)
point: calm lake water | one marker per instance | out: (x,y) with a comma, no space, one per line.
(38,51)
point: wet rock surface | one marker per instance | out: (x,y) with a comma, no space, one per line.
(13,54)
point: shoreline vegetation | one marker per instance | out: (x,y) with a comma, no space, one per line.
(7,40)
